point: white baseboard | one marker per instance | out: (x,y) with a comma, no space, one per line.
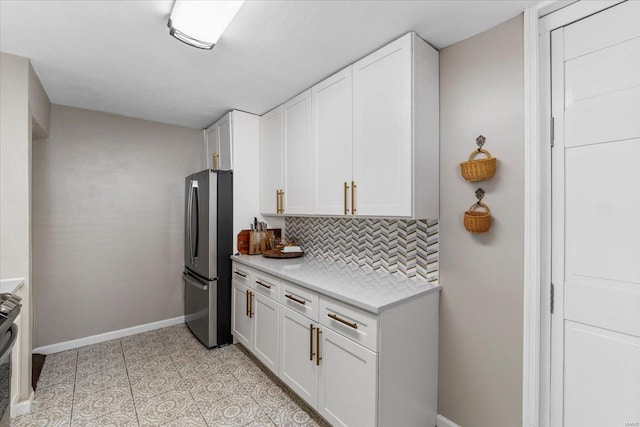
(121,333)
(21,407)
(444,422)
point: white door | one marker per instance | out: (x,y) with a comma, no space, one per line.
(382,137)
(241,318)
(225,143)
(297,154)
(332,144)
(265,331)
(271,165)
(348,387)
(595,373)
(298,365)
(212,146)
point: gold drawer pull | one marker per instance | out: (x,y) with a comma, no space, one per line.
(346,190)
(353,197)
(240,274)
(250,305)
(247,303)
(259,282)
(311,353)
(353,325)
(318,357)
(291,297)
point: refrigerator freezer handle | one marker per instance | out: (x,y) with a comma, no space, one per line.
(192,281)
(189,213)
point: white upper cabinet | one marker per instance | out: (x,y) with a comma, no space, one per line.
(332,144)
(211,147)
(297,155)
(373,148)
(218,144)
(225,146)
(271,161)
(395,131)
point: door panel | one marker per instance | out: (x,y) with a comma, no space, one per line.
(332,144)
(595,365)
(265,331)
(271,154)
(297,154)
(213,145)
(602,377)
(198,307)
(225,138)
(297,369)
(242,323)
(382,140)
(348,372)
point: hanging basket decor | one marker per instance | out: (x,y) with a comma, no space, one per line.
(478,169)
(478,221)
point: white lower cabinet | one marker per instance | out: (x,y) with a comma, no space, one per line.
(356,368)
(242,324)
(265,330)
(298,366)
(347,373)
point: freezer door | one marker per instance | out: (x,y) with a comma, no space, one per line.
(200,255)
(200,300)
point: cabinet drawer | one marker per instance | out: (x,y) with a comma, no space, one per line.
(350,322)
(266,285)
(242,275)
(299,299)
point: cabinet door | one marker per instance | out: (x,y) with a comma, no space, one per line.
(212,145)
(297,154)
(225,143)
(332,144)
(265,331)
(348,383)
(271,155)
(241,321)
(382,135)
(297,354)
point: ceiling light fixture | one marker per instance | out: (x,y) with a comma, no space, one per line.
(200,23)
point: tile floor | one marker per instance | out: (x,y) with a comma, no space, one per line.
(161,378)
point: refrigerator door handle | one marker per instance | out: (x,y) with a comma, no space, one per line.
(189,231)
(195,282)
(197,200)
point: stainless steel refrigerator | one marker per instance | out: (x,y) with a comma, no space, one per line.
(208,244)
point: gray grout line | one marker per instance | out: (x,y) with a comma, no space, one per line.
(126,368)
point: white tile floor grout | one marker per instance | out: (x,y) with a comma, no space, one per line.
(162,378)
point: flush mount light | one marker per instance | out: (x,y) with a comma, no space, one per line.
(200,23)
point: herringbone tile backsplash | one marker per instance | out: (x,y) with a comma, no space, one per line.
(403,247)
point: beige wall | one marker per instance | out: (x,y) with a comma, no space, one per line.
(108,222)
(480,370)
(24,114)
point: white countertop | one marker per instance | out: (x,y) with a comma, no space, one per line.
(11,285)
(364,288)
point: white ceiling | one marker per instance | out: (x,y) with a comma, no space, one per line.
(118,57)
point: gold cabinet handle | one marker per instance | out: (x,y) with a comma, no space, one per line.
(214,160)
(346,190)
(240,274)
(292,298)
(353,197)
(318,357)
(261,283)
(277,201)
(247,303)
(250,305)
(281,201)
(311,353)
(353,325)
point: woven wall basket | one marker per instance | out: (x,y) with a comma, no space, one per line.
(477,221)
(480,169)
